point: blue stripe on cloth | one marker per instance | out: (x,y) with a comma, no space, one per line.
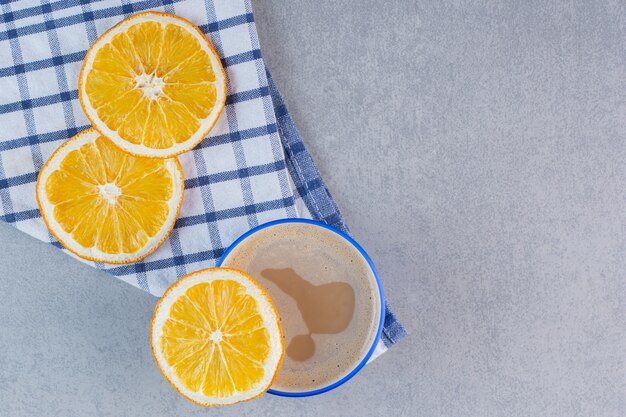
(241,58)
(142,277)
(18,180)
(78,56)
(20,216)
(28,115)
(36,10)
(41,64)
(208,217)
(73,94)
(227,23)
(393,331)
(39,101)
(240,135)
(118,11)
(247,95)
(316,196)
(5,199)
(208,203)
(90,26)
(199,181)
(234,212)
(166,263)
(41,138)
(174,241)
(82,17)
(61,76)
(234,174)
(232,119)
(68,133)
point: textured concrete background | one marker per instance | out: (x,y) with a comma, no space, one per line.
(478,152)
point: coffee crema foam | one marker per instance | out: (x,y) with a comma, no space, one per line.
(328,262)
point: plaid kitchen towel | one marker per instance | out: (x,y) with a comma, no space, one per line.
(252,168)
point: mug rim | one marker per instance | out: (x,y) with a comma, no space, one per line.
(379,285)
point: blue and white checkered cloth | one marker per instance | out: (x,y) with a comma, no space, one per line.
(253,168)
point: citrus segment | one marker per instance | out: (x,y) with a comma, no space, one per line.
(216,337)
(153,84)
(105,205)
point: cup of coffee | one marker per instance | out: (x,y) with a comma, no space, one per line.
(327,293)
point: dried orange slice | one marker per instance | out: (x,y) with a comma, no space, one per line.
(216,337)
(153,84)
(105,205)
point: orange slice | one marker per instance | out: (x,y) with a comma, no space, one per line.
(216,337)
(105,205)
(153,84)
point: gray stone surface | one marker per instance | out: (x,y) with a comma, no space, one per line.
(478,152)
